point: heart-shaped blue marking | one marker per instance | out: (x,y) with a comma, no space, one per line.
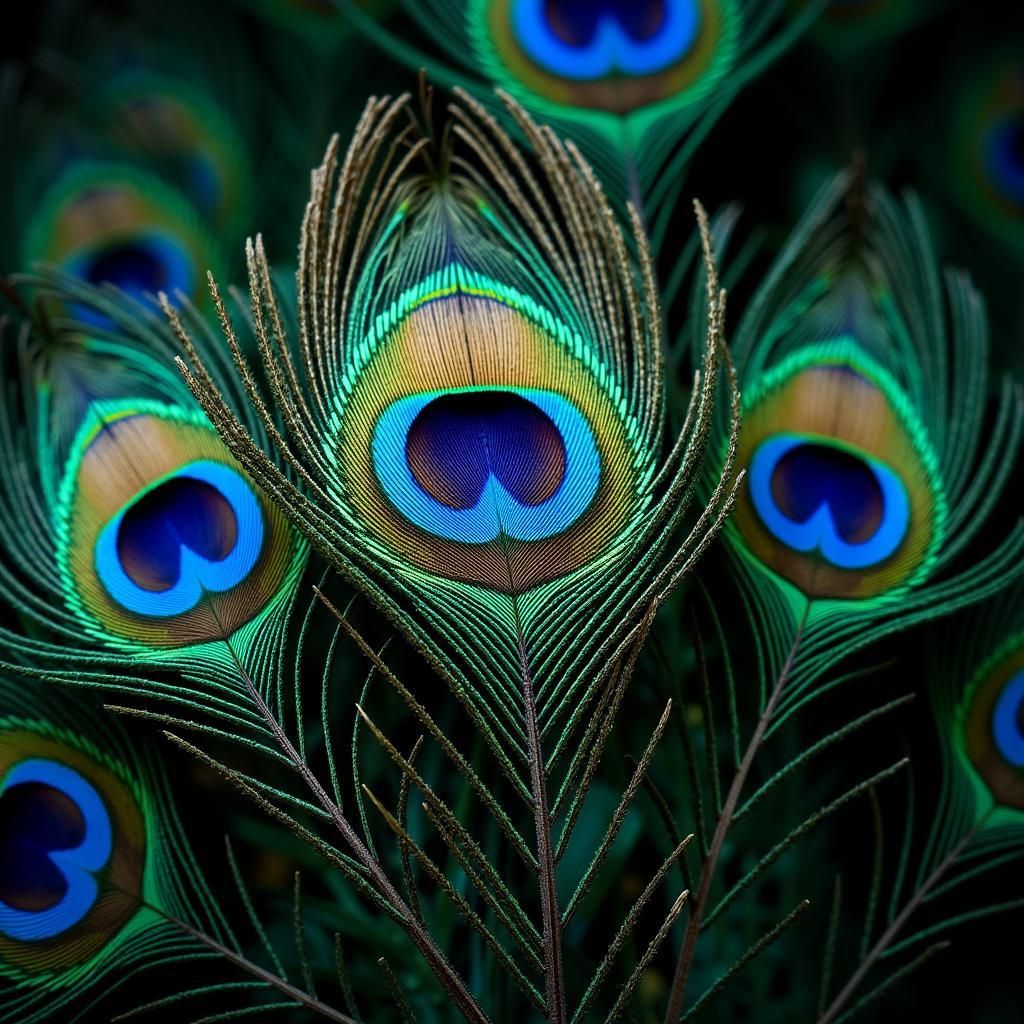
(586,41)
(55,855)
(517,501)
(199,530)
(458,441)
(814,495)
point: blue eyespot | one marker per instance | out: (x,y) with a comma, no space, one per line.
(1006,721)
(816,496)
(472,465)
(199,530)
(56,836)
(1003,154)
(585,40)
(147,262)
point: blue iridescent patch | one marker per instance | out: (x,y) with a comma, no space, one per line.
(199,530)
(585,41)
(56,835)
(816,496)
(471,465)
(1007,724)
(143,263)
(1003,154)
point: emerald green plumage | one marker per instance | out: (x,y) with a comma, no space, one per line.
(976,693)
(475,437)
(394,548)
(457,288)
(132,541)
(873,460)
(93,856)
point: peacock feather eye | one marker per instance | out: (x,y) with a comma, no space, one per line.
(163,540)
(165,120)
(987,147)
(843,498)
(110,224)
(73,848)
(993,726)
(612,56)
(476,441)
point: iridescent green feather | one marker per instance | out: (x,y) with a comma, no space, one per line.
(635,86)
(852,28)
(178,127)
(475,415)
(109,222)
(70,781)
(873,460)
(977,689)
(132,542)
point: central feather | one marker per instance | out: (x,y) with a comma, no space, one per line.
(458,442)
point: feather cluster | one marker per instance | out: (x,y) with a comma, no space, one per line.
(412,548)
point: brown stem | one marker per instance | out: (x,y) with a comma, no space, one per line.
(725,819)
(271,979)
(894,928)
(550,914)
(443,970)
(274,981)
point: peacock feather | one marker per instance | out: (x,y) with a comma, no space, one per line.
(107,223)
(843,497)
(627,81)
(477,430)
(863,422)
(992,725)
(975,676)
(149,543)
(977,694)
(175,125)
(92,859)
(851,27)
(984,156)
